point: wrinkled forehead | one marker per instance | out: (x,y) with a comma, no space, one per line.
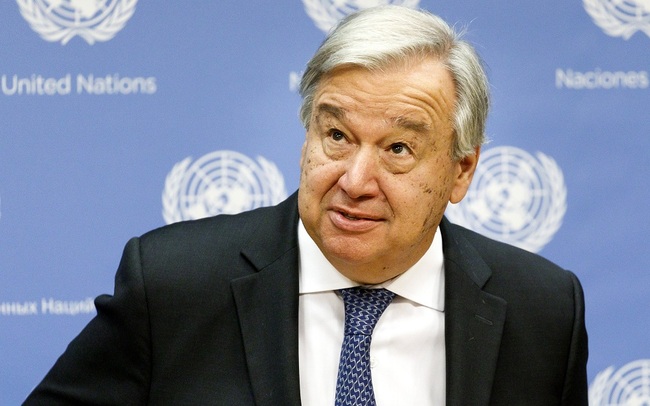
(427,84)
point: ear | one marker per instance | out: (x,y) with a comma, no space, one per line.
(302,152)
(464,174)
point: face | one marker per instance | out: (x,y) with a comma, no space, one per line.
(377,168)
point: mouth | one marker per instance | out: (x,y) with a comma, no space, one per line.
(351,217)
(356,217)
(353,221)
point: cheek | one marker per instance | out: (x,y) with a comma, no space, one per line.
(308,161)
(317,173)
(423,202)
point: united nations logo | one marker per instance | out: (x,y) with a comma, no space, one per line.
(514,198)
(620,18)
(326,13)
(629,386)
(221,182)
(62,20)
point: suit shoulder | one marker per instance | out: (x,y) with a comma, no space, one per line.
(224,228)
(218,240)
(210,227)
(532,285)
(515,267)
(503,254)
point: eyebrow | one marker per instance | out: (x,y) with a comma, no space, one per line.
(400,121)
(326,108)
(412,125)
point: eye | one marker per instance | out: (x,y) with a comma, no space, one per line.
(336,135)
(399,149)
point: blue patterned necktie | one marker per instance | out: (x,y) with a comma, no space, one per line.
(363,307)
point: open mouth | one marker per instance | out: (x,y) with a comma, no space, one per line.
(353,222)
(355,218)
(349,217)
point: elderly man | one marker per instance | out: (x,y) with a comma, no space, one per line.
(355,290)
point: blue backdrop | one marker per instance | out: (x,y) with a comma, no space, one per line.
(117,116)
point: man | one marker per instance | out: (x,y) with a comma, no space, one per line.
(248,309)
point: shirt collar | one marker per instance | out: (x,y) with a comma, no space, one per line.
(423,283)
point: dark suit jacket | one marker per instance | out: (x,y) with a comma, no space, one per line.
(206,312)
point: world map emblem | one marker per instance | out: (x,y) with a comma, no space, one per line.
(515,197)
(628,386)
(221,182)
(91,20)
(620,18)
(326,13)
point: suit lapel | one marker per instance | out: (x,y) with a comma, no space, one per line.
(267,306)
(474,322)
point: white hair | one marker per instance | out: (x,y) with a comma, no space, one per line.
(379,37)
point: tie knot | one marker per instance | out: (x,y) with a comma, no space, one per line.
(363,307)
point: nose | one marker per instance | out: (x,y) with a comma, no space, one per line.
(360,177)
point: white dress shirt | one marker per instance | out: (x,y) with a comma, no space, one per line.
(407,353)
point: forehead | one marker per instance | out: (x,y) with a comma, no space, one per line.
(416,95)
